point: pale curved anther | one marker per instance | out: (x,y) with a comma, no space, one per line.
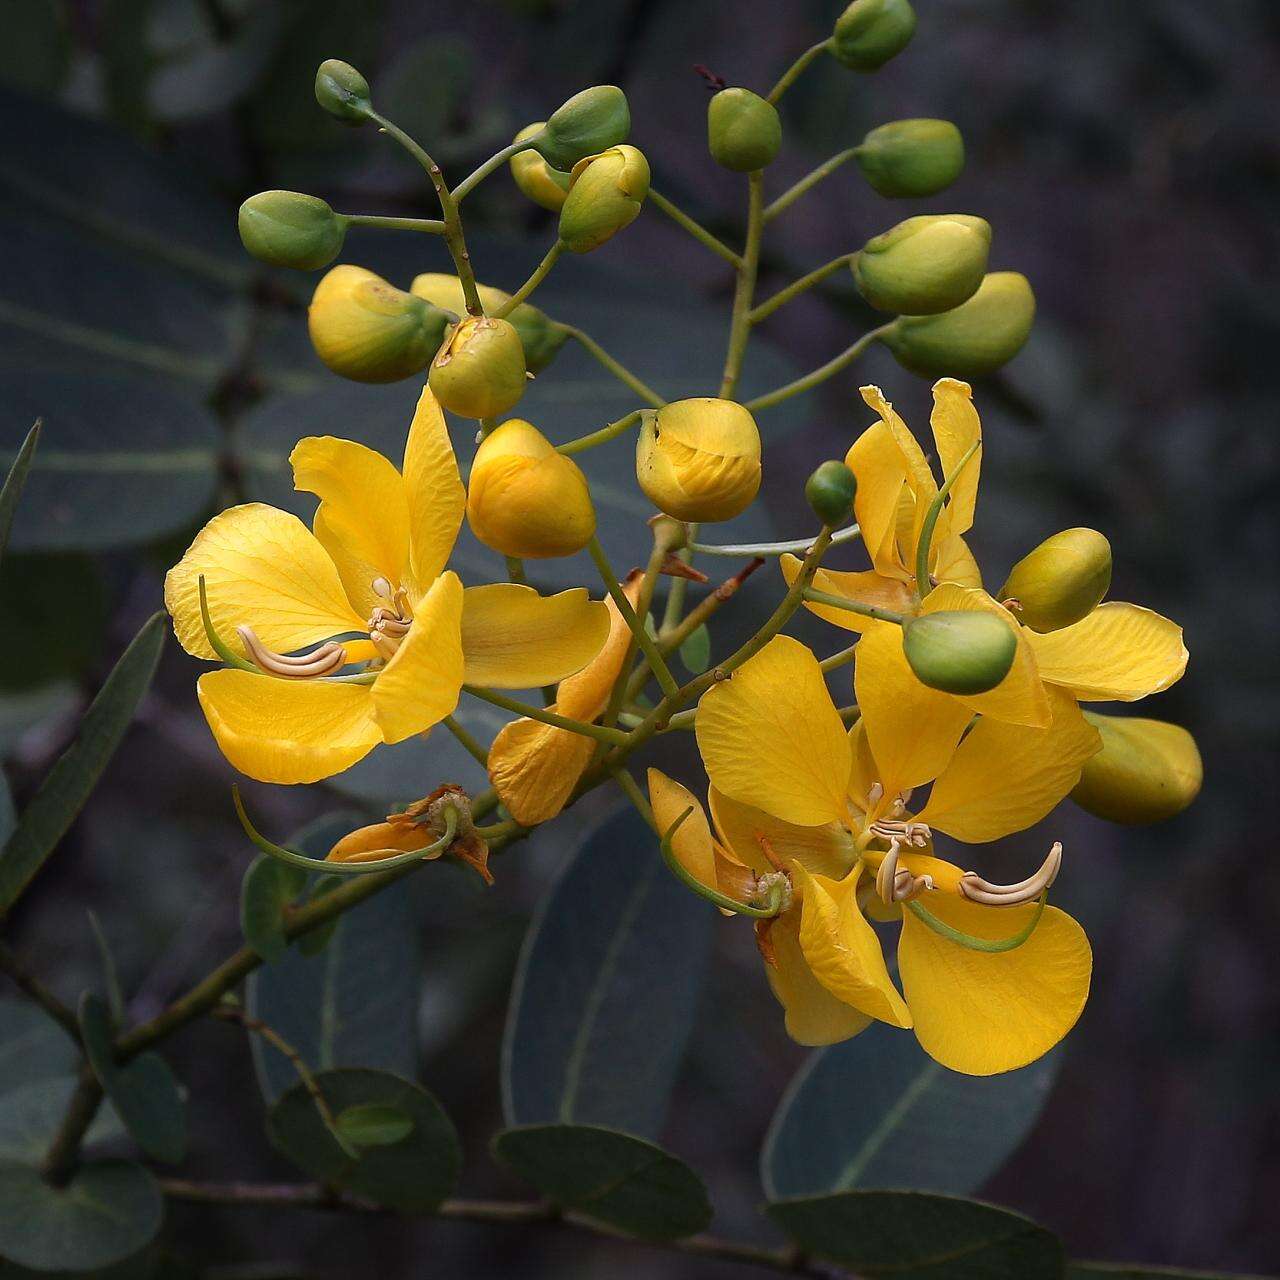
(976,889)
(895,883)
(323,661)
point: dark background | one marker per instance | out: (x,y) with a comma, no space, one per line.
(1126,155)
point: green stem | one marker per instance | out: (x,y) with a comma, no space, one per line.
(796,69)
(838,660)
(473,747)
(495,161)
(637,797)
(433,226)
(679,587)
(744,293)
(695,229)
(853,606)
(967,940)
(923,585)
(619,371)
(819,375)
(597,731)
(690,881)
(603,436)
(644,601)
(783,296)
(795,546)
(28,983)
(808,182)
(669,686)
(540,273)
(63,1153)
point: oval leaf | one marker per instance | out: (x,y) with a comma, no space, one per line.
(267,888)
(372,1124)
(31,1113)
(32,1046)
(695,653)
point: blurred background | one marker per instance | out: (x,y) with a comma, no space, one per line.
(1127,158)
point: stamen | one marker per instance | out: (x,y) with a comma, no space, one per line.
(907,831)
(325,660)
(767,849)
(381,587)
(385,645)
(898,884)
(976,889)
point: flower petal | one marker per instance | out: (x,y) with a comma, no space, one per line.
(981,1012)
(956,430)
(921,486)
(876,461)
(771,736)
(263,568)
(434,492)
(287,731)
(866,586)
(813,1015)
(826,850)
(954,562)
(692,843)
(1120,651)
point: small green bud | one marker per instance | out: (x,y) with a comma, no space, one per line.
(974,339)
(590,122)
(343,92)
(911,157)
(480,370)
(1063,580)
(1147,770)
(830,491)
(605,196)
(924,265)
(960,651)
(870,32)
(543,185)
(289,229)
(744,131)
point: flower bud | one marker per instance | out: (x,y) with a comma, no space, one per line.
(289,229)
(870,32)
(744,131)
(540,336)
(1063,580)
(605,195)
(479,372)
(343,92)
(911,157)
(543,185)
(590,122)
(699,459)
(924,265)
(959,651)
(368,330)
(974,339)
(1147,770)
(830,491)
(525,499)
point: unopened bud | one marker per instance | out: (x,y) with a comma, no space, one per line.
(830,491)
(479,372)
(870,32)
(959,651)
(289,229)
(343,92)
(525,499)
(1147,770)
(543,185)
(911,157)
(924,265)
(744,131)
(590,122)
(1063,580)
(605,195)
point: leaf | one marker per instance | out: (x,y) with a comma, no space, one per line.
(411,1174)
(73,777)
(606,988)
(31,1113)
(32,1046)
(267,888)
(14,482)
(695,652)
(314,941)
(143,1091)
(923,1126)
(910,1235)
(55,619)
(613,1177)
(109,1209)
(372,1124)
(110,974)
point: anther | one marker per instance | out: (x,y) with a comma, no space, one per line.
(325,660)
(898,884)
(976,889)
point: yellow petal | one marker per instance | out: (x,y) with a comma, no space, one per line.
(263,568)
(813,1015)
(985,1012)
(955,430)
(1120,651)
(287,730)
(435,494)
(864,774)
(912,730)
(876,461)
(692,844)
(421,683)
(920,482)
(771,736)
(515,638)
(954,562)
(826,850)
(1006,777)
(363,517)
(866,586)
(843,950)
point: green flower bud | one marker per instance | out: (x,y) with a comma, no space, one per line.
(343,92)
(959,651)
(590,122)
(973,340)
(830,491)
(480,370)
(605,195)
(289,229)
(911,157)
(543,185)
(924,265)
(744,131)
(368,330)
(1063,580)
(870,32)
(1147,770)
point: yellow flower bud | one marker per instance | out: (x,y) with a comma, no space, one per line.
(543,185)
(1147,770)
(924,265)
(1063,580)
(525,499)
(368,330)
(289,229)
(911,157)
(960,651)
(479,372)
(699,459)
(605,195)
(870,32)
(744,131)
(589,122)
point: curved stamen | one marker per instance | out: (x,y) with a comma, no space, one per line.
(329,657)
(976,889)
(899,884)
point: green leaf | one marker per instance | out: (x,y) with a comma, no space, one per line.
(110,974)
(919,1130)
(607,987)
(72,779)
(143,1091)
(411,1174)
(695,652)
(109,1209)
(617,1179)
(55,617)
(267,888)
(372,1124)
(314,941)
(31,1113)
(910,1235)
(32,1046)
(14,482)
(1133,1271)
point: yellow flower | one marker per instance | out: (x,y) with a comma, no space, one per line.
(793,793)
(367,584)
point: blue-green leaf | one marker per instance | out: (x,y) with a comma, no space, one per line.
(31,1113)
(267,888)
(695,652)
